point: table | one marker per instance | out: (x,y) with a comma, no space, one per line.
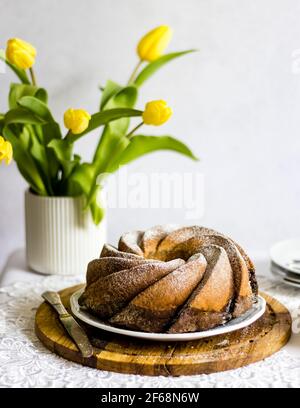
(25,362)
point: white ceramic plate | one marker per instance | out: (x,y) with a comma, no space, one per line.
(249,317)
(286,279)
(291,283)
(286,254)
(285,273)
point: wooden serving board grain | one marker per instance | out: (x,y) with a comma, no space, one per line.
(122,354)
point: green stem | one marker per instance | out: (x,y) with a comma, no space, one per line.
(68,135)
(33,80)
(131,133)
(47,177)
(132,76)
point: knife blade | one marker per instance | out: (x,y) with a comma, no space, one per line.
(75,331)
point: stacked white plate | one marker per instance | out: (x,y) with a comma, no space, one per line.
(285,261)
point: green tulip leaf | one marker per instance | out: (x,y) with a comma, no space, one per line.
(25,162)
(80,183)
(154,66)
(111,164)
(77,157)
(43,158)
(33,104)
(39,154)
(37,107)
(50,131)
(118,149)
(83,175)
(111,88)
(25,137)
(62,149)
(141,145)
(17,91)
(42,95)
(2,122)
(125,98)
(63,152)
(104,117)
(96,209)
(21,74)
(23,116)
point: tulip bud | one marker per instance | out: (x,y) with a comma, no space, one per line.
(76,120)
(156,113)
(20,53)
(153,44)
(6,151)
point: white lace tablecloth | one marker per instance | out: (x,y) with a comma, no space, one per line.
(25,362)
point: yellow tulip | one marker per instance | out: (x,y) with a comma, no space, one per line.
(76,120)
(153,44)
(20,53)
(6,151)
(156,113)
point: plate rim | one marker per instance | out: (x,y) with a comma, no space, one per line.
(284,278)
(290,283)
(260,306)
(274,255)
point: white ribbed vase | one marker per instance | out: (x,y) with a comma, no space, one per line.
(61,238)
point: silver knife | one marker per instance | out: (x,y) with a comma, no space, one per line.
(75,331)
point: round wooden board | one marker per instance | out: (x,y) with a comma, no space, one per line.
(128,355)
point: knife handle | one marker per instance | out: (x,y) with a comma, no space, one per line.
(55,301)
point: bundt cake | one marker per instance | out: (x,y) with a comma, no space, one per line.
(170,279)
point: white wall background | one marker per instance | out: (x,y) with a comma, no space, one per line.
(236,102)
